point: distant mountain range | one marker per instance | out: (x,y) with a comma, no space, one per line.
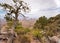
(26,22)
(2,22)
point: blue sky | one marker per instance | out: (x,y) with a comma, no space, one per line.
(2,13)
(39,8)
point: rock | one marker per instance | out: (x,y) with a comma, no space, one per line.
(54,39)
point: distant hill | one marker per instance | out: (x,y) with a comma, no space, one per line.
(2,22)
(28,23)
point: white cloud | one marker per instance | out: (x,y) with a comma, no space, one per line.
(58,3)
(51,8)
(37,7)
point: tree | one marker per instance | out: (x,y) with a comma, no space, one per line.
(41,22)
(53,26)
(15,10)
(12,14)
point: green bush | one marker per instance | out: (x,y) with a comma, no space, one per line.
(37,33)
(22,31)
(41,22)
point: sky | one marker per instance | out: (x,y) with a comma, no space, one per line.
(39,8)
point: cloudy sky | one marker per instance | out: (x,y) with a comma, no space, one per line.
(39,8)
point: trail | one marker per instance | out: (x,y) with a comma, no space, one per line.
(1,41)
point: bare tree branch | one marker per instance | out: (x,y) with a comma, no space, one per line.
(6,6)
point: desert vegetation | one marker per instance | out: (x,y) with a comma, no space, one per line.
(43,30)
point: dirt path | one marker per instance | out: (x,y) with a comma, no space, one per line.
(2,41)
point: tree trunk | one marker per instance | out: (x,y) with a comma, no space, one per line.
(16,20)
(16,17)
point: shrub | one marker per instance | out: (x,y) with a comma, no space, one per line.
(37,34)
